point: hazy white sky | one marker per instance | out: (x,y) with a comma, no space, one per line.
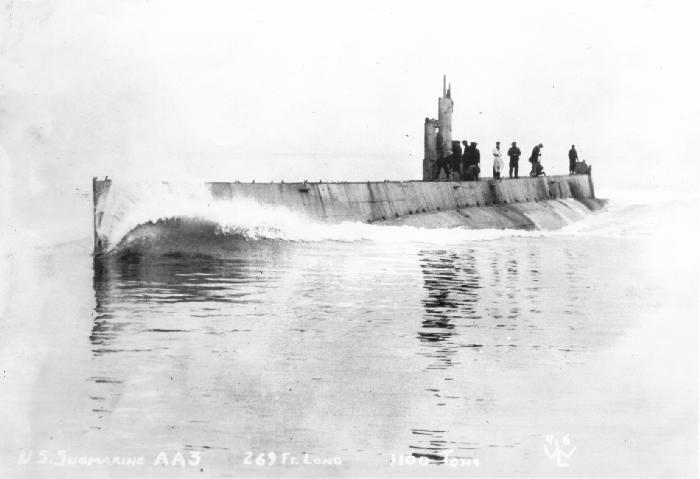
(333,90)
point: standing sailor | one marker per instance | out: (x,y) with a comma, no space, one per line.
(514,155)
(497,161)
(573,158)
(455,161)
(465,159)
(475,159)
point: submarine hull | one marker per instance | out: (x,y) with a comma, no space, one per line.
(542,203)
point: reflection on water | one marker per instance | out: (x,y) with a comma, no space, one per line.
(487,310)
(363,351)
(356,350)
(148,285)
(156,314)
(441,307)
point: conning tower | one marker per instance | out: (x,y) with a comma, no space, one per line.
(438,133)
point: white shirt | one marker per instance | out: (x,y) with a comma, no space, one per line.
(497,160)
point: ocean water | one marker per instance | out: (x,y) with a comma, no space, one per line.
(300,350)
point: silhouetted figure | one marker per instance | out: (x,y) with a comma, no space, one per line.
(443,163)
(475,158)
(514,155)
(455,160)
(537,168)
(497,161)
(582,168)
(465,160)
(573,158)
(471,173)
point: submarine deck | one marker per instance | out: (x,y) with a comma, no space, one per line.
(545,202)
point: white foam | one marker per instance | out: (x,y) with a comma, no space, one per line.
(130,204)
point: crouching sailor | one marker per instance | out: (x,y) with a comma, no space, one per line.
(537,168)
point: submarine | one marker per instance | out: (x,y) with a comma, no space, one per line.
(435,201)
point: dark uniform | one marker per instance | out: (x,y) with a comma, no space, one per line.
(465,160)
(514,155)
(443,163)
(456,157)
(573,158)
(535,160)
(475,158)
